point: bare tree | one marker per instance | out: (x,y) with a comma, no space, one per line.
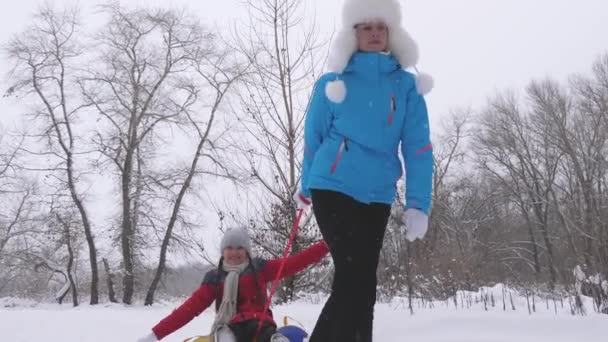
(16,211)
(10,218)
(48,243)
(46,254)
(591,105)
(45,57)
(16,195)
(461,209)
(577,127)
(139,86)
(8,155)
(514,148)
(219,73)
(67,240)
(283,50)
(449,154)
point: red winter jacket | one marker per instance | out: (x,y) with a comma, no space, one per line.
(250,306)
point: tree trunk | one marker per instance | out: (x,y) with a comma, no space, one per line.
(60,123)
(408,272)
(550,257)
(171,225)
(62,297)
(68,275)
(127,230)
(88,235)
(566,225)
(67,149)
(537,267)
(69,269)
(109,281)
(289,283)
(288,289)
(590,256)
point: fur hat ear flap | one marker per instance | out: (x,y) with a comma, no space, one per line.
(403,47)
(343,47)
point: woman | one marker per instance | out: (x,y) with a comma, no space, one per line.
(238,287)
(357,116)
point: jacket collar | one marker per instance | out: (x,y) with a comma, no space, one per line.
(372,64)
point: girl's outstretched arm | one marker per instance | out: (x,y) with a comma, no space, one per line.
(200,300)
(295,263)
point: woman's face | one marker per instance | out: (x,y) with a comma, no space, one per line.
(372,36)
(234,255)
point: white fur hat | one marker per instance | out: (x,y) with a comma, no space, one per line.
(400,43)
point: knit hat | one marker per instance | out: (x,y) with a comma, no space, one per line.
(400,43)
(236,237)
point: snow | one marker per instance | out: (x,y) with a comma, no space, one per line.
(578,273)
(24,321)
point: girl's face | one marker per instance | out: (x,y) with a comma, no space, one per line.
(234,255)
(372,36)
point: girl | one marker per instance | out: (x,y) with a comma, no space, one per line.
(238,287)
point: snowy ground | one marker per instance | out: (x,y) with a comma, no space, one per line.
(21,321)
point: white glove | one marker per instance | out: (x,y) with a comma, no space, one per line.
(148,338)
(302,202)
(416,224)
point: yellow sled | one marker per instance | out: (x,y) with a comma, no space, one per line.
(198,339)
(207,338)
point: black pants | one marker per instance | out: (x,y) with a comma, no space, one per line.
(354,233)
(245,331)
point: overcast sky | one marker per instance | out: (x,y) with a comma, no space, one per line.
(471,47)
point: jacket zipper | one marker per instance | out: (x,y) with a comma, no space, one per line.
(392,112)
(343,147)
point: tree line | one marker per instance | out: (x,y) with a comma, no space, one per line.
(519,186)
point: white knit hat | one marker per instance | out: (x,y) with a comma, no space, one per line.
(400,43)
(236,237)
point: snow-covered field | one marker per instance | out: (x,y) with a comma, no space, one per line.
(21,321)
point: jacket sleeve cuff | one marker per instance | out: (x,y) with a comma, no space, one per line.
(306,192)
(413,204)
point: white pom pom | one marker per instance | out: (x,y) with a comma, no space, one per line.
(424,83)
(335,91)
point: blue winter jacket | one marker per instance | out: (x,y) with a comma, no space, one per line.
(353,147)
